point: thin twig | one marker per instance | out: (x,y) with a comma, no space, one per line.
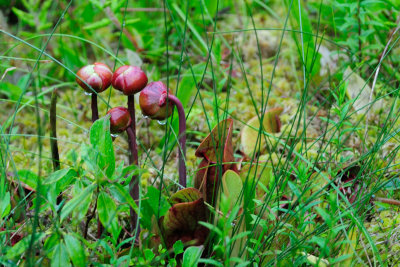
(387,201)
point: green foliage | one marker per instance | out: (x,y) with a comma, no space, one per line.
(283,194)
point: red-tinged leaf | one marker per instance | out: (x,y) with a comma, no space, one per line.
(182,221)
(207,181)
(185,195)
(217,143)
(201,176)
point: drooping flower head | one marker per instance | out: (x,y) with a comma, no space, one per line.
(120,119)
(97,75)
(152,101)
(129,79)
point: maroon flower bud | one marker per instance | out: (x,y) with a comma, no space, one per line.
(152,101)
(129,79)
(97,75)
(119,119)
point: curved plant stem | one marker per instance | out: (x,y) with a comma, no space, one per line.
(133,159)
(182,138)
(95,110)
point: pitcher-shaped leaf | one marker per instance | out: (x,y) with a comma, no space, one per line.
(271,124)
(182,220)
(215,148)
(218,143)
(185,195)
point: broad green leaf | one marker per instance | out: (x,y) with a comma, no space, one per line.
(10,90)
(58,175)
(124,196)
(76,201)
(84,206)
(5,206)
(75,250)
(271,124)
(154,205)
(185,195)
(60,256)
(178,247)
(28,179)
(191,256)
(108,214)
(100,138)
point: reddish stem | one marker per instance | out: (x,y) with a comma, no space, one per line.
(95,117)
(133,159)
(95,110)
(387,201)
(182,138)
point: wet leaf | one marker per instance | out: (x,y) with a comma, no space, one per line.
(271,124)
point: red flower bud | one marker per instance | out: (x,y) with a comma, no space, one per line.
(97,75)
(120,119)
(129,79)
(152,101)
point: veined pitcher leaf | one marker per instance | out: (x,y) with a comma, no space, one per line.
(185,195)
(271,124)
(182,221)
(218,143)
